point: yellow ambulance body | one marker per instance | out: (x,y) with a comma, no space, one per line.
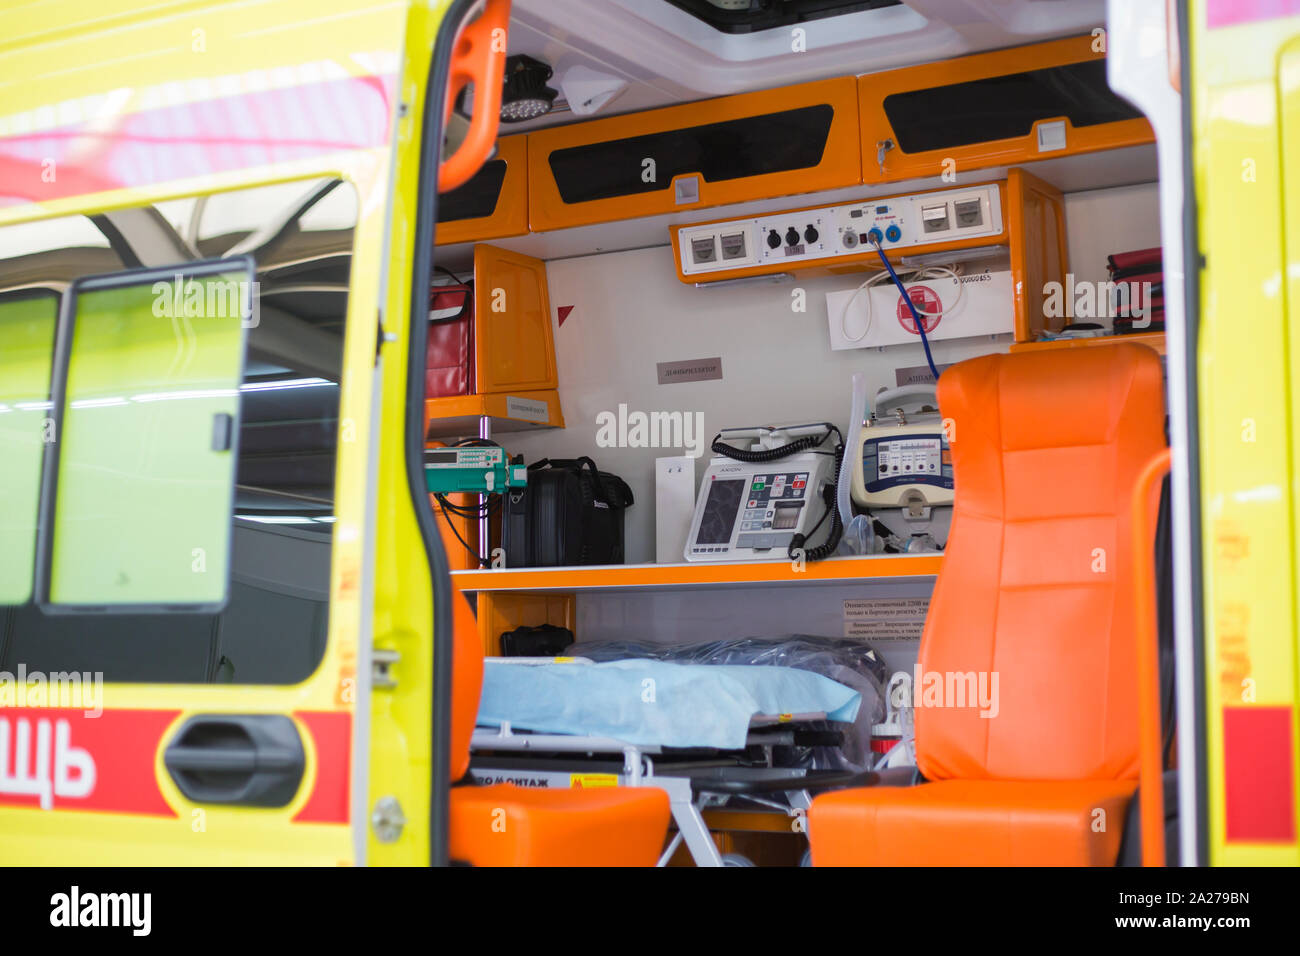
(305,137)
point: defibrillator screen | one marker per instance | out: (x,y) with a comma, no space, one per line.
(720,510)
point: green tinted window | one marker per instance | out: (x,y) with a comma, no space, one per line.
(148,416)
(274,623)
(27,321)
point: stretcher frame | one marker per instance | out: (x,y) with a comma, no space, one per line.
(692,785)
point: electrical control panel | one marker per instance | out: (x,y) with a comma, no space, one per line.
(814,235)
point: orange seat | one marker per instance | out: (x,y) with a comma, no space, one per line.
(1035,598)
(973,823)
(505,825)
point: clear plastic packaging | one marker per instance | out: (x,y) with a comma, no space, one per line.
(851,662)
(858,537)
(899,723)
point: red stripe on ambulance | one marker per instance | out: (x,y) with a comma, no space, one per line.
(1227,13)
(202,138)
(66,759)
(331,732)
(1259,776)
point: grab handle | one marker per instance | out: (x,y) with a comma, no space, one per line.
(479,57)
(905,397)
(1150,752)
(248,760)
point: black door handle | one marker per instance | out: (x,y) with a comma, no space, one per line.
(250,760)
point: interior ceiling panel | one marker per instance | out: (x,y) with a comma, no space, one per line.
(667,55)
(751,16)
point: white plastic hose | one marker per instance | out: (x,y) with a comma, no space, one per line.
(857,538)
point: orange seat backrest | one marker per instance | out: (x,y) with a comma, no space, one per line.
(1036,586)
(466,681)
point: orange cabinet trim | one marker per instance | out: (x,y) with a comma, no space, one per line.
(899,165)
(839,165)
(509,217)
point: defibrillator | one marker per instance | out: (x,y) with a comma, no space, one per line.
(772,499)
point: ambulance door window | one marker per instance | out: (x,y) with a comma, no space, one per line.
(137,493)
(27,320)
(272,626)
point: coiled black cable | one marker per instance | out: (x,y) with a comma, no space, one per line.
(763,456)
(832,542)
(479,510)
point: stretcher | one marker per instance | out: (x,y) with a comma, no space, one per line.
(696,778)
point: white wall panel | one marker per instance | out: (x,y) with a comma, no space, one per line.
(631,312)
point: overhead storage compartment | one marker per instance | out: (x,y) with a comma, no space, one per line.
(993,109)
(511,349)
(796,139)
(494,203)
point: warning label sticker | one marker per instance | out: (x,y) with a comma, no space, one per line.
(885,619)
(586,781)
(528,409)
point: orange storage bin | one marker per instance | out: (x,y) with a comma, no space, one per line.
(796,139)
(1051,100)
(494,203)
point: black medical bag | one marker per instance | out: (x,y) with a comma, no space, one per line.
(544,640)
(569,513)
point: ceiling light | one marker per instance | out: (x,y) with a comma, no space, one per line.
(526,95)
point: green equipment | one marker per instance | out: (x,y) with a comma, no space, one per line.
(471,469)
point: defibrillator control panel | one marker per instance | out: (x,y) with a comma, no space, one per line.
(754,511)
(849,229)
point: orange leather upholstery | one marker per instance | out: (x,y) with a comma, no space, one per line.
(972,823)
(466,682)
(505,825)
(1035,596)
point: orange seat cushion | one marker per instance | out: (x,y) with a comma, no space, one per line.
(506,825)
(972,823)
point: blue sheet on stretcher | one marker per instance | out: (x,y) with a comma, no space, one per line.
(655,702)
